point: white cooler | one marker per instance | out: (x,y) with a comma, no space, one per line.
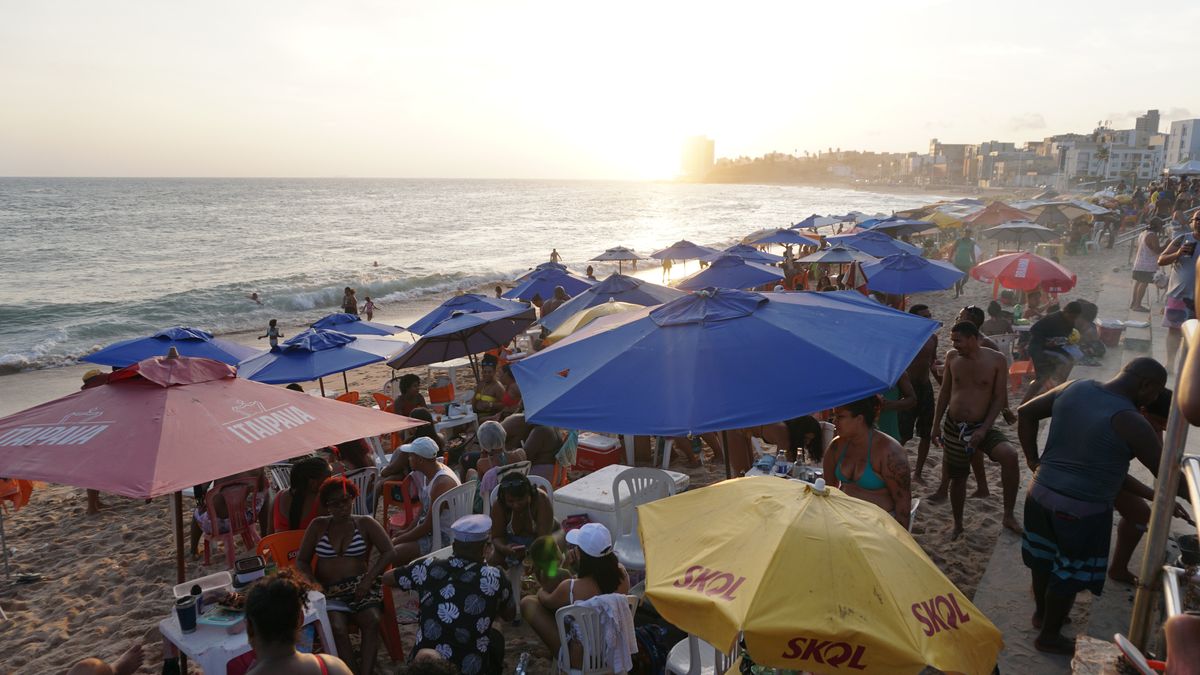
(592,495)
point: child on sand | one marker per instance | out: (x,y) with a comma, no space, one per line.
(368,308)
(272,333)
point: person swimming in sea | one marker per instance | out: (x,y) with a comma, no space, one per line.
(254,297)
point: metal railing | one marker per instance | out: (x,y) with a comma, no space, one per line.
(1171,466)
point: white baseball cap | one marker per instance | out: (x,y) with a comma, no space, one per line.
(422,446)
(593,539)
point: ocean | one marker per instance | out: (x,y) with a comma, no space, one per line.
(87,262)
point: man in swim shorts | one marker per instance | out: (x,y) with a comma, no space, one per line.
(974,390)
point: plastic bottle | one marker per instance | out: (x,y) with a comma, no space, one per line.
(522,664)
(1017,311)
(271,568)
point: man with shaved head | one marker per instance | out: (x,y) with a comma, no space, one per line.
(1096,428)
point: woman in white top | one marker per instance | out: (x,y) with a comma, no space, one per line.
(1145,264)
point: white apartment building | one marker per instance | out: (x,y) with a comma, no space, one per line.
(1184,142)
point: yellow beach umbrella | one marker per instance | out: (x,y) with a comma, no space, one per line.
(584,317)
(814,579)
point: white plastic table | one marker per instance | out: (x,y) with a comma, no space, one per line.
(442,423)
(212,647)
(592,495)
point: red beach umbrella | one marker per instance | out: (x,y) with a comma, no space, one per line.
(1025,272)
(168,423)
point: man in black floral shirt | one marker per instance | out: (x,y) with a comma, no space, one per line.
(460,600)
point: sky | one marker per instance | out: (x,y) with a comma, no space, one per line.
(540,89)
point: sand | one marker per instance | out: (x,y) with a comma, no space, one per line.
(106,579)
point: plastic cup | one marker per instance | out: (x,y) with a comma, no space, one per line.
(185,610)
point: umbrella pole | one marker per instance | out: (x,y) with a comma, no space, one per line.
(345,382)
(725,442)
(177,516)
(321,381)
(4,545)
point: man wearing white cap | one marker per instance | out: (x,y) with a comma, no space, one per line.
(460,600)
(438,479)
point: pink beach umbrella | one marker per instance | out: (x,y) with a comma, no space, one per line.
(168,423)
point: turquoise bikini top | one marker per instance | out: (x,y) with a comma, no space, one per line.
(869,480)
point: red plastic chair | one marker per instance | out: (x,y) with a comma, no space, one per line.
(283,546)
(400,493)
(348,397)
(238,498)
(384,401)
(1017,373)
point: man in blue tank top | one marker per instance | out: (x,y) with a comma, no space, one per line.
(1095,430)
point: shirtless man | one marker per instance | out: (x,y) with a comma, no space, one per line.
(918,420)
(973,393)
(560,296)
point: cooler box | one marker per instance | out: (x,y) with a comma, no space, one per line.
(597,451)
(443,393)
(592,495)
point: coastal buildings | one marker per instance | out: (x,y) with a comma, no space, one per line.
(698,156)
(1183,143)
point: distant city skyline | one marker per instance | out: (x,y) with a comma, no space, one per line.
(538,89)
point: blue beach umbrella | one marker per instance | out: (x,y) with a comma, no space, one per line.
(187,341)
(465,334)
(731,271)
(351,324)
(543,282)
(544,266)
(740,348)
(875,244)
(783,237)
(683,250)
(315,353)
(813,222)
(899,227)
(748,253)
(468,303)
(617,287)
(905,273)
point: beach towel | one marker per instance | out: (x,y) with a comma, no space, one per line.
(617,622)
(569,450)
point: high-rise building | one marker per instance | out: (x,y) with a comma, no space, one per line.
(698,155)
(1183,144)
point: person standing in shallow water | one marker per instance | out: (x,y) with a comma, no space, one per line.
(349,301)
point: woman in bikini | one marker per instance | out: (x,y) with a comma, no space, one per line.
(342,543)
(867,463)
(520,514)
(274,612)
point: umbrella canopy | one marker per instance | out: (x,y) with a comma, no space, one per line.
(618,253)
(899,227)
(351,324)
(905,273)
(166,424)
(580,319)
(683,250)
(813,222)
(467,303)
(873,243)
(731,271)
(1025,272)
(316,353)
(1020,231)
(550,265)
(186,341)
(838,255)
(543,282)
(712,575)
(616,287)
(748,253)
(1068,210)
(783,237)
(743,347)
(995,213)
(1050,215)
(1188,168)
(465,335)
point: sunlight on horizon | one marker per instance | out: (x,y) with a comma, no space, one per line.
(552,90)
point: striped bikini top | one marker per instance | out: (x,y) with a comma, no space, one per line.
(356,547)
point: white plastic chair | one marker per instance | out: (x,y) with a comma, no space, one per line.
(591,629)
(280,476)
(693,656)
(376,445)
(365,480)
(1004,344)
(458,502)
(641,486)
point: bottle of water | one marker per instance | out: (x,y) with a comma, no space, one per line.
(1017,311)
(522,664)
